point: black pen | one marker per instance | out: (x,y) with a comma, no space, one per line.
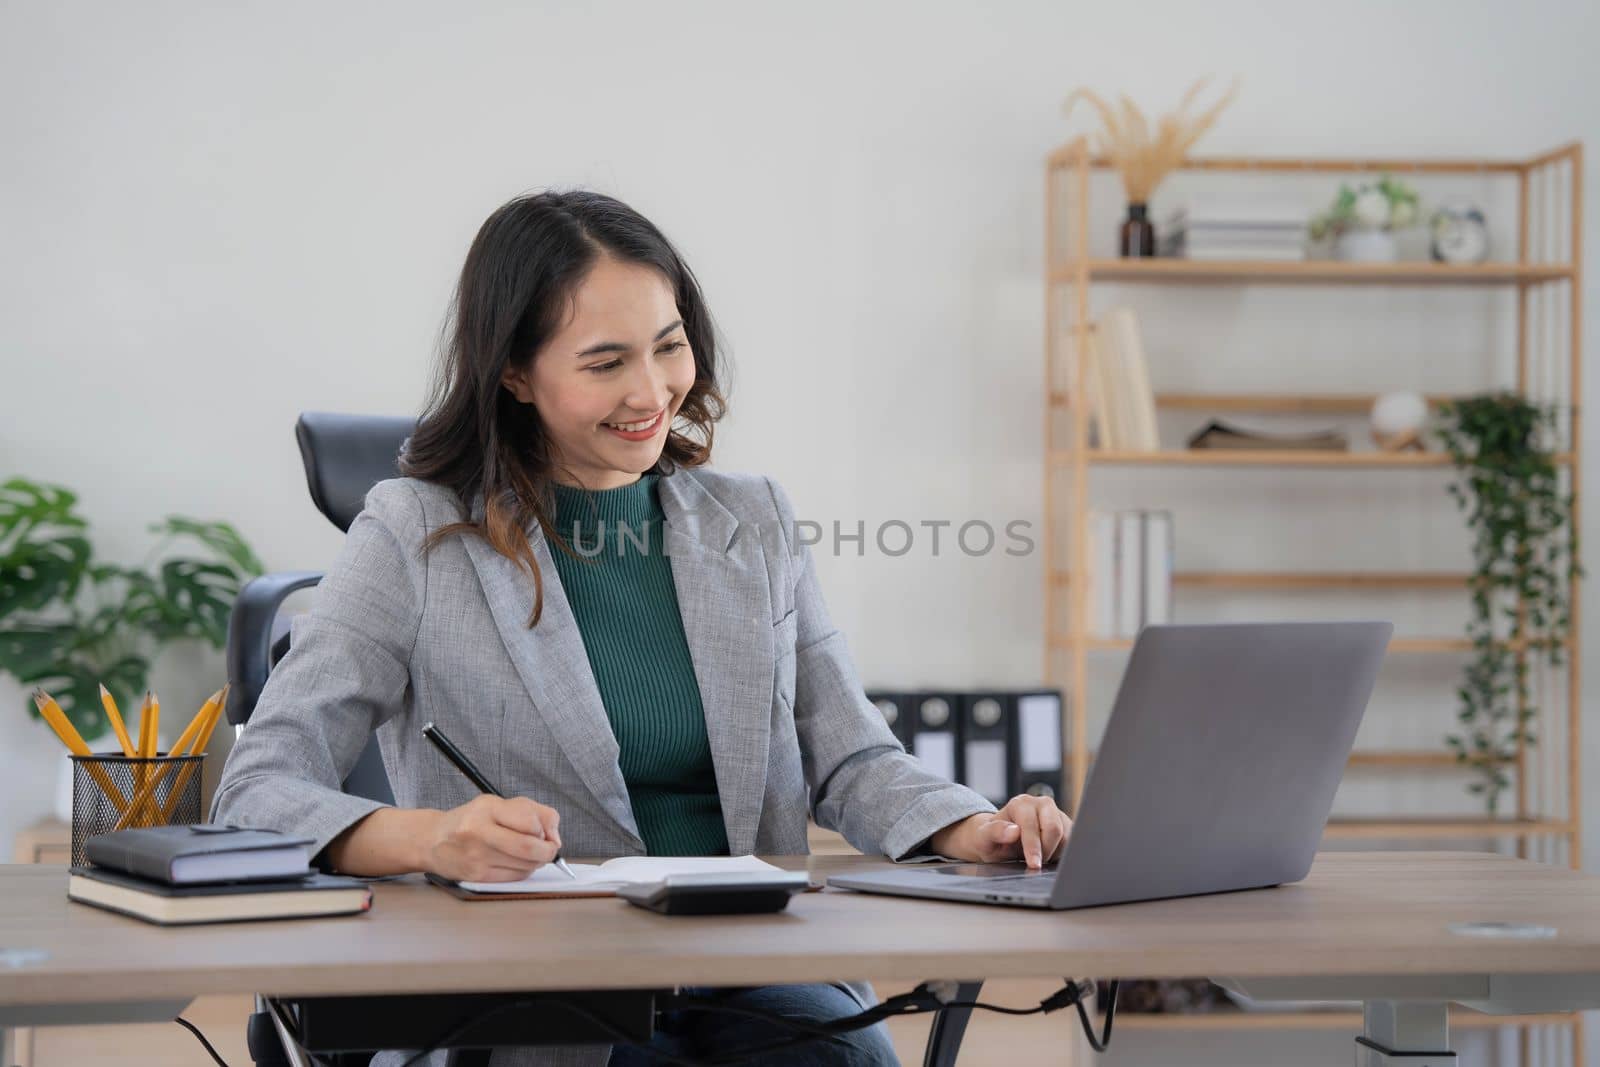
(465,766)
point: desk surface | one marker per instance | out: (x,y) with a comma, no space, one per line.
(1357,913)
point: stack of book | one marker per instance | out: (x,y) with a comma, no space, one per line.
(1234,234)
(177,875)
(1130,571)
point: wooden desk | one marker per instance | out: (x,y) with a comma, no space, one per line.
(1367,926)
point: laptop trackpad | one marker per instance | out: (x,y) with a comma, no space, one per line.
(992,870)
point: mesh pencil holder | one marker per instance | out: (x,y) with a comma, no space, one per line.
(114,792)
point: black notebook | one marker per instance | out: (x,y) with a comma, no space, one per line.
(170,905)
(201,853)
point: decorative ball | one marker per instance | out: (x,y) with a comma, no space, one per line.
(1398,419)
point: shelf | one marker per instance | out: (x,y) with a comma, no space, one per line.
(1266,403)
(1395,758)
(1315,271)
(1392,828)
(1308,580)
(1066,155)
(1225,457)
(1418,760)
(1398,644)
(1239,1019)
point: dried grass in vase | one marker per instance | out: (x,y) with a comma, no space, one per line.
(1143,155)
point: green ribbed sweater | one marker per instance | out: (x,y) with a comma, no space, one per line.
(626,607)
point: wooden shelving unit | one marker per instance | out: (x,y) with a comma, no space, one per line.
(1549,260)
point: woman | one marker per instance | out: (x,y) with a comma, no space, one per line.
(664,679)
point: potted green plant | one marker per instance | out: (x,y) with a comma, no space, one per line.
(1525,562)
(69,623)
(1362,221)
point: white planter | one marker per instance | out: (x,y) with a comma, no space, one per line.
(1367,246)
(63,804)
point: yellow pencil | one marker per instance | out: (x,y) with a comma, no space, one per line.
(146,745)
(141,806)
(116,721)
(186,739)
(204,737)
(198,747)
(75,744)
(149,723)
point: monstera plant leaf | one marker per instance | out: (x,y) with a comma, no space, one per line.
(55,658)
(43,553)
(55,636)
(220,537)
(198,598)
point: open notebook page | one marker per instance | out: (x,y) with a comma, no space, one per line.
(621,871)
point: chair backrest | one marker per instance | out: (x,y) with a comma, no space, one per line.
(344,457)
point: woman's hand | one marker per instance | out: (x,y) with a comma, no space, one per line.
(1028,827)
(492,839)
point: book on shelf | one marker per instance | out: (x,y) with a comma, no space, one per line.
(1231,253)
(1102,581)
(1104,417)
(165,904)
(1122,405)
(1155,584)
(1130,573)
(1129,584)
(1271,235)
(1236,217)
(1221,434)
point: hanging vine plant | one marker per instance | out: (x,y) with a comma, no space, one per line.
(1525,559)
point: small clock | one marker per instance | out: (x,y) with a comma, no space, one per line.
(1460,233)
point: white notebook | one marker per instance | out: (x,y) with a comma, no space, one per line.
(608,876)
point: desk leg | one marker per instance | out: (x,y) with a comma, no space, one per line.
(944,1040)
(1403,1033)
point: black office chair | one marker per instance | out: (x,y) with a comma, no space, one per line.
(344,456)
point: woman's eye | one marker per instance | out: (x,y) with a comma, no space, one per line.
(601,368)
(673,347)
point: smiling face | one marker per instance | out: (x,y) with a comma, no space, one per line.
(607,384)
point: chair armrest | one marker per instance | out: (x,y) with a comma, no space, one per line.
(249,655)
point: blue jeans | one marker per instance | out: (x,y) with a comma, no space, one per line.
(697,1034)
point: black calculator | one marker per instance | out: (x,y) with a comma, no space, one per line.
(717,894)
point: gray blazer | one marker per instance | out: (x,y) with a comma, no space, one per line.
(397,638)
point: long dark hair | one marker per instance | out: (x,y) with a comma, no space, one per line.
(515,290)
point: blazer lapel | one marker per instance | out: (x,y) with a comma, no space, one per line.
(720,575)
(554,668)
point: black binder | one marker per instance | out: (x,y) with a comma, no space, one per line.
(897,707)
(1036,752)
(989,744)
(936,732)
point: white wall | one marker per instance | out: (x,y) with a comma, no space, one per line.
(214,217)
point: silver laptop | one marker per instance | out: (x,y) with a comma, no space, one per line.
(1216,772)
